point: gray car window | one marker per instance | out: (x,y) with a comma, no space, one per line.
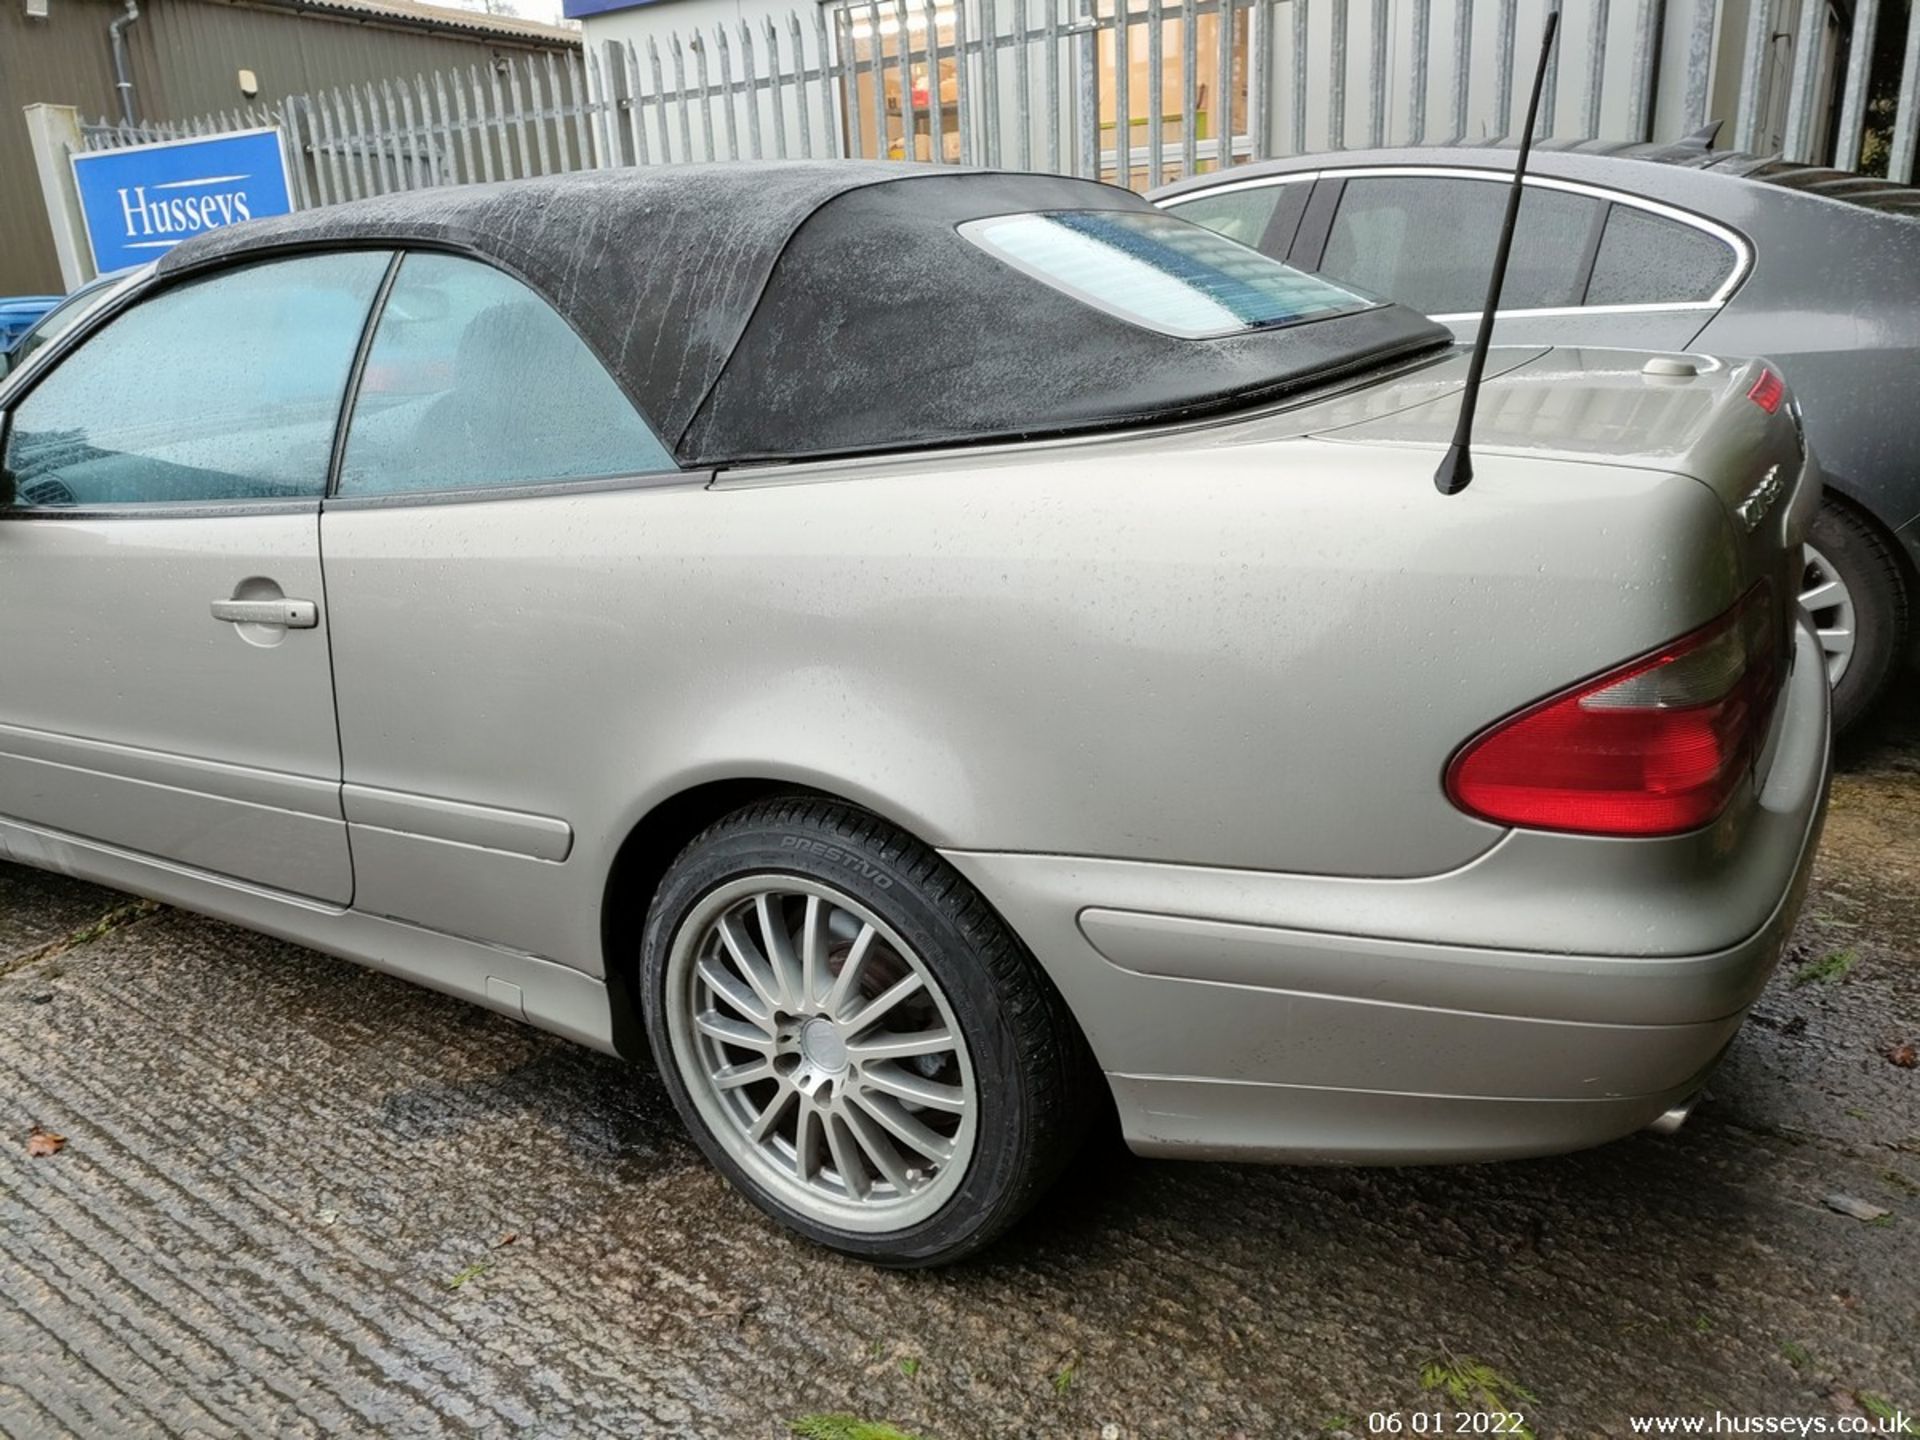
(1648,259)
(1241,215)
(222,389)
(473,381)
(1427,241)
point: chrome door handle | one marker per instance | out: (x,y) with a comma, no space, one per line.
(287,614)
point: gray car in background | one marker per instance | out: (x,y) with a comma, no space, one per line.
(1671,247)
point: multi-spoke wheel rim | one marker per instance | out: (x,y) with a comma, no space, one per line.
(1830,603)
(821,1052)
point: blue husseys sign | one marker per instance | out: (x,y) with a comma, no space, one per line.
(142,201)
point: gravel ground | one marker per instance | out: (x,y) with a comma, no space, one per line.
(298,1198)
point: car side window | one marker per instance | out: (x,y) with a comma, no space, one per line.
(221,389)
(1428,241)
(1647,259)
(473,381)
(1241,215)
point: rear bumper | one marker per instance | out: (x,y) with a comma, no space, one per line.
(1555,993)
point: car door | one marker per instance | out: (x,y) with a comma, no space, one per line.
(168,689)
(475,548)
(1427,240)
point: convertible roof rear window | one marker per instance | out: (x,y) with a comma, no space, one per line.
(1159,271)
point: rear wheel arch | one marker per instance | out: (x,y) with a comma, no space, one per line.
(1838,491)
(651,846)
(638,866)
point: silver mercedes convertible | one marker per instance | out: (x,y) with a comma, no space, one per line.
(930,658)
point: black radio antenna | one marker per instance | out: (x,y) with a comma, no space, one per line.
(1456,469)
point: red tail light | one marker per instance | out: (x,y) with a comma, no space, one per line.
(1768,391)
(1655,747)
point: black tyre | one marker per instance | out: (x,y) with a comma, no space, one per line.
(853,1036)
(1857,595)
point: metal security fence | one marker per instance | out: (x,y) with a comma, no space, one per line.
(114,134)
(1139,91)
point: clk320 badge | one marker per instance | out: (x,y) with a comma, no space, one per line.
(1759,501)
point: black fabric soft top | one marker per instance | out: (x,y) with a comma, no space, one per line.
(766,311)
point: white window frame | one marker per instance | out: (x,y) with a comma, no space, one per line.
(1732,239)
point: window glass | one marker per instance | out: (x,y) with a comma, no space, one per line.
(1159,271)
(474,381)
(1241,215)
(1650,260)
(1428,241)
(226,388)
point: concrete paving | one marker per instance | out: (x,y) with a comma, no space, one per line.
(299,1199)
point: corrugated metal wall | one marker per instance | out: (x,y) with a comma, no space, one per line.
(186,58)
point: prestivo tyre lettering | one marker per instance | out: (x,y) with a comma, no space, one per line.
(838,856)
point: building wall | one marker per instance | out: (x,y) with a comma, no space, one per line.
(185,57)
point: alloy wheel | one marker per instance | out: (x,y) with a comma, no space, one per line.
(1827,599)
(821,1052)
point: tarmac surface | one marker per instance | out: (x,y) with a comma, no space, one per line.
(297,1198)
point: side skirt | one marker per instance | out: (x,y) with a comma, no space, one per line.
(543,993)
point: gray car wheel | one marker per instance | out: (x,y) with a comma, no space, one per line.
(1853,588)
(1824,593)
(853,1036)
